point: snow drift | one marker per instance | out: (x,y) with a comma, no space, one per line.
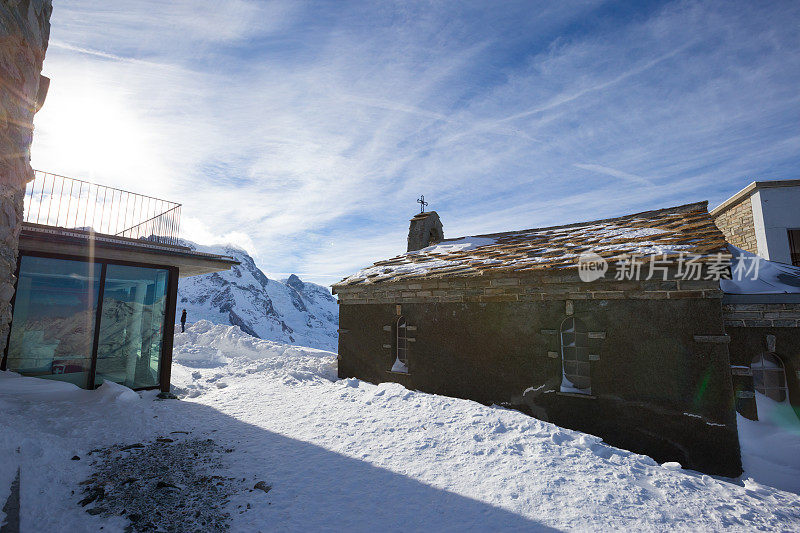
(350,455)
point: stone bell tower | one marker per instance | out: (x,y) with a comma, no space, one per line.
(24,32)
(425,229)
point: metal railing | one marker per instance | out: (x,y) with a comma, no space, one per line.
(71,203)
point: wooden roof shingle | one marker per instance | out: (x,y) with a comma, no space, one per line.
(686,229)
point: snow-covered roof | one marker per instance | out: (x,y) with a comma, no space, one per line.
(687,228)
(752,274)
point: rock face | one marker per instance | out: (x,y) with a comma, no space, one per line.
(24,32)
(290,311)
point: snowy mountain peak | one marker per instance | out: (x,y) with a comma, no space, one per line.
(295,282)
(293,311)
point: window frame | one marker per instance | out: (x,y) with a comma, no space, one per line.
(400,346)
(98,275)
(570,326)
(793,235)
(99,332)
(168,327)
(783,389)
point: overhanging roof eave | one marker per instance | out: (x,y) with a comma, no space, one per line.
(61,241)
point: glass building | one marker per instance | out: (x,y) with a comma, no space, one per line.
(92,307)
(87,321)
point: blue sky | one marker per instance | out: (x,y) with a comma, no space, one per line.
(304,132)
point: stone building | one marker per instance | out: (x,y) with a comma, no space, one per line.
(764,219)
(764,331)
(762,316)
(597,326)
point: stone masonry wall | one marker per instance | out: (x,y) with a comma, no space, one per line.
(762,315)
(529,288)
(736,223)
(755,329)
(24,33)
(660,372)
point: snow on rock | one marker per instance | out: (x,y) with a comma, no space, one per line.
(291,311)
(348,455)
(144,483)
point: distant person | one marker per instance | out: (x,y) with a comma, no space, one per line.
(183,321)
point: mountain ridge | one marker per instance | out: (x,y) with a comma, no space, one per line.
(292,311)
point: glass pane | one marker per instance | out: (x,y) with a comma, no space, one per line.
(773,379)
(568,339)
(582,354)
(581,339)
(131,326)
(778,395)
(768,376)
(758,380)
(54,313)
(579,382)
(575,355)
(569,353)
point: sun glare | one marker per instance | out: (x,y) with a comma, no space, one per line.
(87,130)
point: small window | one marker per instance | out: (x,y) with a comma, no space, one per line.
(769,377)
(794,246)
(575,357)
(401,347)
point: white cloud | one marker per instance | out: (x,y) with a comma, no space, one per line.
(195,230)
(614,173)
(312,128)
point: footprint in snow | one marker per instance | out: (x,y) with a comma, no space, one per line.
(500,428)
(560,438)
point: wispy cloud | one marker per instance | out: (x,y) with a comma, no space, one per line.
(305,131)
(614,173)
(54,43)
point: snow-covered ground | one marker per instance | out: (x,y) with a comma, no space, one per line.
(345,455)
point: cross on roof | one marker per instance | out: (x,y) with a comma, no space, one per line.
(422,203)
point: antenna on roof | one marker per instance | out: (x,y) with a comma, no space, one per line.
(422,203)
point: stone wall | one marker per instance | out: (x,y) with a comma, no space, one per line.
(24,33)
(660,371)
(527,288)
(762,315)
(736,223)
(749,326)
